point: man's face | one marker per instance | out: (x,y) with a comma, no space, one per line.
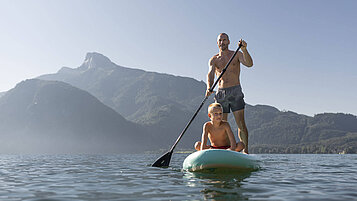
(222,42)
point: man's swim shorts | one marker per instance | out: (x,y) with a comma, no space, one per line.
(231,98)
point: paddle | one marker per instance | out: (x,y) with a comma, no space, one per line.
(164,160)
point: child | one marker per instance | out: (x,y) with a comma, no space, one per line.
(218,132)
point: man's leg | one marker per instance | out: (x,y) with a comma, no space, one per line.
(242,128)
(239,146)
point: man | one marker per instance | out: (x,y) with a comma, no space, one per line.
(229,93)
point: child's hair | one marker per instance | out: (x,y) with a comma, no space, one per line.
(214,105)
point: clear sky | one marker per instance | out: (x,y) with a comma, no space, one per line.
(304,52)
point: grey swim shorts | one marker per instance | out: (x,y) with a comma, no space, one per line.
(230,98)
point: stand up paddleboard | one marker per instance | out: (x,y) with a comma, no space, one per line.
(220,160)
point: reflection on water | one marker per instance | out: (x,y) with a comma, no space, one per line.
(223,186)
(129,177)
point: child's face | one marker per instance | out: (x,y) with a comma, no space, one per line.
(216,114)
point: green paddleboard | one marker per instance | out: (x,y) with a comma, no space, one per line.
(220,160)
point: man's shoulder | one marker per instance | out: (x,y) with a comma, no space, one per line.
(214,57)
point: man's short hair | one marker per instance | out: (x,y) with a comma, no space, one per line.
(224,34)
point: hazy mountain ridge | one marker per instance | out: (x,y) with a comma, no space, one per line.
(166,103)
(163,104)
(52,116)
(289,132)
(116,86)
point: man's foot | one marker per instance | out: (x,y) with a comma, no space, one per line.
(239,146)
(245,151)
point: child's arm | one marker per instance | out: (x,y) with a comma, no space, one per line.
(204,137)
(230,134)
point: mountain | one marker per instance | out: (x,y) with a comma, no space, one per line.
(55,117)
(274,131)
(116,86)
(2,93)
(163,102)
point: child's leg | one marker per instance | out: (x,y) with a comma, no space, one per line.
(240,146)
(198,145)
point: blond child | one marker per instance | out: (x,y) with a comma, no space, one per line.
(218,132)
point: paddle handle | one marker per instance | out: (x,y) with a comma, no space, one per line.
(206,97)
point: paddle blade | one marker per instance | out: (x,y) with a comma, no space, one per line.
(163,161)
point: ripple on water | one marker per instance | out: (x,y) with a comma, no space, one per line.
(129,177)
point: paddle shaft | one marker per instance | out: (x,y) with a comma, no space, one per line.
(164,160)
(206,97)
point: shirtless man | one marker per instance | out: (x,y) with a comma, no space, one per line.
(229,93)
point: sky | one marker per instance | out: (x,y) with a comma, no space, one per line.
(304,52)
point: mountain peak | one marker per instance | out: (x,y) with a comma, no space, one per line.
(96,56)
(96,60)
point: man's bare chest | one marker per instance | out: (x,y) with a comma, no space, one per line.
(221,62)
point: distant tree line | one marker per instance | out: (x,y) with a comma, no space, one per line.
(327,147)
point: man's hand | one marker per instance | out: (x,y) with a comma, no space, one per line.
(208,92)
(244,44)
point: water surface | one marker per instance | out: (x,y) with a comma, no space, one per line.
(130,177)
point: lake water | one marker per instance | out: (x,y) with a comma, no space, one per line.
(130,177)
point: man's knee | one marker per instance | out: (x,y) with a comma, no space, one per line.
(243,128)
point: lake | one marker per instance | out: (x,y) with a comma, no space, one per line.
(130,177)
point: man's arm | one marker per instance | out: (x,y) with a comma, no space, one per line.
(244,56)
(204,137)
(210,76)
(230,134)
